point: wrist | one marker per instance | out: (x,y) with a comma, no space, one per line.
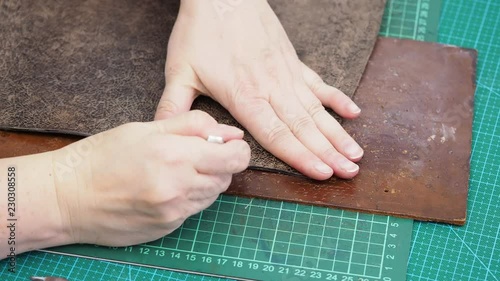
(65,165)
(73,183)
(215,7)
(38,222)
(55,230)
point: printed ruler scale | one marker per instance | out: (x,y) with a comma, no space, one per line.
(268,240)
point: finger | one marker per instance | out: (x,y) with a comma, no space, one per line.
(197,123)
(209,186)
(330,96)
(304,128)
(229,158)
(205,203)
(334,132)
(275,136)
(176,98)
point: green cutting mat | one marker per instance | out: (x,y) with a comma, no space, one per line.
(442,252)
(411,19)
(269,240)
(439,252)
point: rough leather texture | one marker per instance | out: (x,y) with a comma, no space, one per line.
(416,131)
(82,67)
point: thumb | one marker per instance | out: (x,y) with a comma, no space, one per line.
(197,123)
(177,98)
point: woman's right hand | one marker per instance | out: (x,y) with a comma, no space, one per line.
(140,181)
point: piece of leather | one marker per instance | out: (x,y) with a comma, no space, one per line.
(82,67)
(416,128)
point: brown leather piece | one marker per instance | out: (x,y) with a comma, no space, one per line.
(416,129)
(334,38)
(14,144)
(82,67)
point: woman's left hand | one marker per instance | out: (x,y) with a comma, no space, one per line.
(239,55)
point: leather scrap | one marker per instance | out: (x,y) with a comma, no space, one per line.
(416,128)
(82,67)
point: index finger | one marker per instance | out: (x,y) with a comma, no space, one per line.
(275,136)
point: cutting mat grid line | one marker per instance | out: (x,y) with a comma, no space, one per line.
(297,243)
(416,20)
(292,239)
(472,252)
(283,237)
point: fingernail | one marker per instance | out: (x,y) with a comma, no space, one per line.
(353,150)
(323,168)
(348,166)
(354,108)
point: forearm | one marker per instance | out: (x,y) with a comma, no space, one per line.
(29,210)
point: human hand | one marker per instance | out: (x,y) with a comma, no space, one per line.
(244,60)
(140,181)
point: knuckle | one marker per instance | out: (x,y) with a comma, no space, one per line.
(234,166)
(240,161)
(171,158)
(157,151)
(166,105)
(156,197)
(315,108)
(254,106)
(216,188)
(246,152)
(197,114)
(267,53)
(269,57)
(173,218)
(173,70)
(277,134)
(159,126)
(218,185)
(132,125)
(330,153)
(226,182)
(272,71)
(316,84)
(211,188)
(301,124)
(198,118)
(243,89)
(139,128)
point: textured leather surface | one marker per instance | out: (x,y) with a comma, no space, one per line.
(83,67)
(416,131)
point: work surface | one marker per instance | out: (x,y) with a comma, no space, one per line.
(439,252)
(443,252)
